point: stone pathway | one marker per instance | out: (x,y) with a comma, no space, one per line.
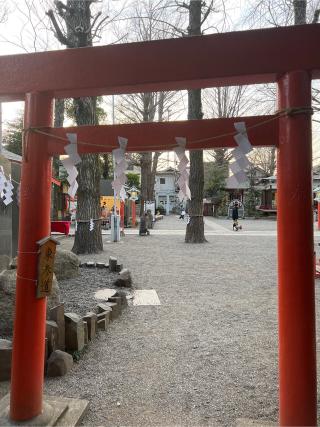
(208,354)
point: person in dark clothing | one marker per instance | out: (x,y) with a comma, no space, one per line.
(143,229)
(235,217)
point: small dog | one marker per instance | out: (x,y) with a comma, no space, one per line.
(236,226)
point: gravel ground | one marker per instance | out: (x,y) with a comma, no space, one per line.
(207,355)
(78,293)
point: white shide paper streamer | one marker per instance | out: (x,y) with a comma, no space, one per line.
(6,188)
(241,162)
(120,166)
(70,163)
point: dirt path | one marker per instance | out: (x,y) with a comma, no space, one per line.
(206,356)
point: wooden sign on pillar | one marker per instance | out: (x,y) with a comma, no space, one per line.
(47,251)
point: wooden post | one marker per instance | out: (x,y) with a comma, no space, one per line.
(133,209)
(30,312)
(297,337)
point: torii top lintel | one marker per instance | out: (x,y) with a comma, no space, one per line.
(246,57)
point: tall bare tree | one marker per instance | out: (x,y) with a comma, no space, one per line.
(74,26)
(280,13)
(150,20)
(198,13)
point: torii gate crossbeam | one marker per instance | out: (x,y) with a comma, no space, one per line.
(159,136)
(285,55)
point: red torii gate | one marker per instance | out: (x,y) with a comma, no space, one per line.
(248,57)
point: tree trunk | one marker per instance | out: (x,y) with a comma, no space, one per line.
(300,11)
(195,228)
(148,162)
(88,196)
(273,161)
(77,16)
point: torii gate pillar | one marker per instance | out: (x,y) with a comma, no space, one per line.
(30,312)
(297,338)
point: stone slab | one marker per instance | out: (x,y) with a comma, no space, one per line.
(74,332)
(86,333)
(105,315)
(115,309)
(146,297)
(57,314)
(102,324)
(65,412)
(91,319)
(100,265)
(52,335)
(113,264)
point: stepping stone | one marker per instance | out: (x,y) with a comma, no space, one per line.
(146,297)
(105,294)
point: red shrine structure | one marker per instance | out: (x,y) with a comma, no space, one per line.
(283,55)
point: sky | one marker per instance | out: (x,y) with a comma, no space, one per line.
(17,35)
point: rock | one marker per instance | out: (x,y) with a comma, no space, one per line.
(66,264)
(59,364)
(14,263)
(118,301)
(4,262)
(85,331)
(52,335)
(7,299)
(74,332)
(124,280)
(113,264)
(57,314)
(91,319)
(5,359)
(123,298)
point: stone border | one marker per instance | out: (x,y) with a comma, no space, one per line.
(67,334)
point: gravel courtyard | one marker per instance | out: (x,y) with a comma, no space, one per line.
(208,354)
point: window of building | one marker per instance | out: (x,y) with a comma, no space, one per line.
(162,180)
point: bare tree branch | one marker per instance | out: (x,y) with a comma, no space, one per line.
(58,33)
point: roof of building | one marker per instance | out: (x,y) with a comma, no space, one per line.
(12,157)
(167,171)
